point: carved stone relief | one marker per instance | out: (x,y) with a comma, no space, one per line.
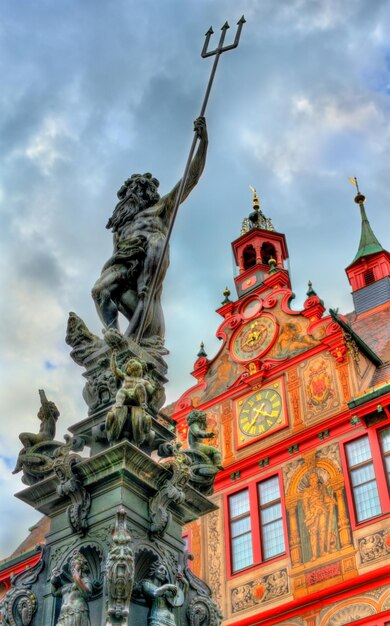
(214,554)
(170,491)
(71,485)
(259,591)
(374,547)
(19,605)
(119,572)
(349,614)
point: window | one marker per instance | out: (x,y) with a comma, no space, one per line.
(256,524)
(271,521)
(384,436)
(368,463)
(240,530)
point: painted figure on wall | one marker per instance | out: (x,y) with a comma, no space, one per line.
(318,507)
(221,377)
(75,593)
(292,340)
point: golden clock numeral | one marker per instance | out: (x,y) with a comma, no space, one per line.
(275,413)
(245,411)
(253,430)
(261,428)
(270,422)
(250,402)
(258,397)
(274,397)
(276,404)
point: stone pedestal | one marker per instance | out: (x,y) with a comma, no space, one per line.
(156,505)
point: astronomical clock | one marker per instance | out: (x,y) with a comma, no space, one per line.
(260,413)
(254,338)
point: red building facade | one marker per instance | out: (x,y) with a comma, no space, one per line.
(300,402)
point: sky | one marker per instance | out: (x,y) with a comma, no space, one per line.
(93,91)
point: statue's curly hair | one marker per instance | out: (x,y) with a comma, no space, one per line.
(196,416)
(146,194)
(155,566)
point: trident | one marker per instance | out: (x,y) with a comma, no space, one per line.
(205,53)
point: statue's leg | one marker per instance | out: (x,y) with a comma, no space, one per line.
(155,323)
(217,458)
(19,462)
(121,398)
(28,439)
(102,292)
(140,395)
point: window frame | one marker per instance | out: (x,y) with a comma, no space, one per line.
(377,455)
(254,512)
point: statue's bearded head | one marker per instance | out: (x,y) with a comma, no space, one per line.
(137,192)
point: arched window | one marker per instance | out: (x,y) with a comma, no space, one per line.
(249,257)
(267,252)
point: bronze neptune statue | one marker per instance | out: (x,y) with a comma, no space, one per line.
(140,223)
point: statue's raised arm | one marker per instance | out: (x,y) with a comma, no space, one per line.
(195,170)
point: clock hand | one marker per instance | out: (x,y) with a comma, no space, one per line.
(257,411)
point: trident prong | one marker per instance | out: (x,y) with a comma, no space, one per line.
(219,49)
(206,41)
(217,53)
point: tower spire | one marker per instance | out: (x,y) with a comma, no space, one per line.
(368,244)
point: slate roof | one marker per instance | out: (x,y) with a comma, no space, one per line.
(374,329)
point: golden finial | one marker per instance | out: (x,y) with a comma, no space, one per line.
(256,202)
(359,198)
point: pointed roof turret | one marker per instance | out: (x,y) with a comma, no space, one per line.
(369,272)
(368,244)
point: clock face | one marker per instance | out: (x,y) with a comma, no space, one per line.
(254,338)
(260,413)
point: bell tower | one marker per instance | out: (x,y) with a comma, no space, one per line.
(369,272)
(259,252)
